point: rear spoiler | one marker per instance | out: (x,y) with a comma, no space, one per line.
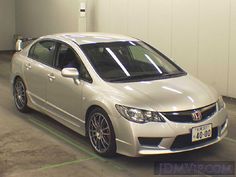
(21,43)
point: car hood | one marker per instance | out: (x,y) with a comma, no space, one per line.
(173,94)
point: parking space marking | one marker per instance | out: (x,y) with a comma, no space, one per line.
(46,167)
(63,138)
(93,155)
(67,140)
(230,139)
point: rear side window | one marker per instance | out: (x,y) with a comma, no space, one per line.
(43,52)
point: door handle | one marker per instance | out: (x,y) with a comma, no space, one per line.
(51,77)
(28,66)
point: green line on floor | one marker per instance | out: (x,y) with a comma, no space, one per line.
(66,163)
(67,140)
(230,139)
(64,138)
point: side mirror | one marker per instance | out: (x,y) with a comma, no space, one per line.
(70,73)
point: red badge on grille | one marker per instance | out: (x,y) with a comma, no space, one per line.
(197,116)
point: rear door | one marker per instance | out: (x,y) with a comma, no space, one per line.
(36,67)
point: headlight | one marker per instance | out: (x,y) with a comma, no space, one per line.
(138,115)
(220,103)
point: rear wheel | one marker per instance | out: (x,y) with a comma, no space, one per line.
(19,93)
(101,133)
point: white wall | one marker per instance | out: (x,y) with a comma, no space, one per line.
(232,52)
(7,24)
(200,35)
(35,18)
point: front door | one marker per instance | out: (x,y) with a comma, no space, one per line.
(64,95)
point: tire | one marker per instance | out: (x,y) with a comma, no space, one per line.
(20,97)
(101,133)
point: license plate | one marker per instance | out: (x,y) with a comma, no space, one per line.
(201,132)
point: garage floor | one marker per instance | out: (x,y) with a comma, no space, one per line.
(34,145)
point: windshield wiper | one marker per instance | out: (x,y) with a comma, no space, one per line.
(146,76)
(167,75)
(135,77)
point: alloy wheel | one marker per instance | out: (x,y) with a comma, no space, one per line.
(20,94)
(99,133)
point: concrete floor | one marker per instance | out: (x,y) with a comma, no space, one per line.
(34,145)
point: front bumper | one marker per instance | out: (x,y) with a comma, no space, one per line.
(169,136)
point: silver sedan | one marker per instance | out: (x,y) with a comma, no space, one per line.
(122,93)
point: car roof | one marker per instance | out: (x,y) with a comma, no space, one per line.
(90,38)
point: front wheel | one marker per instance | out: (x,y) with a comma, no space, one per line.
(101,133)
(19,93)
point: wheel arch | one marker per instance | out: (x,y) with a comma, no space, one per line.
(13,80)
(25,107)
(88,111)
(91,108)
(112,149)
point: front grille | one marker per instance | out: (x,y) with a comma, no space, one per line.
(149,141)
(186,116)
(185,141)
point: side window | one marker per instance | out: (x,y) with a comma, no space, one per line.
(43,52)
(84,74)
(67,58)
(31,51)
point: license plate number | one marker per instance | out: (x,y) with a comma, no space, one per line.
(201,132)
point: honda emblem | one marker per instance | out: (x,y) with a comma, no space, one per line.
(197,116)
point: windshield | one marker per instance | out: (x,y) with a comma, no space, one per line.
(129,61)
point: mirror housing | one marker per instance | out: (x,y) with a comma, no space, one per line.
(70,73)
